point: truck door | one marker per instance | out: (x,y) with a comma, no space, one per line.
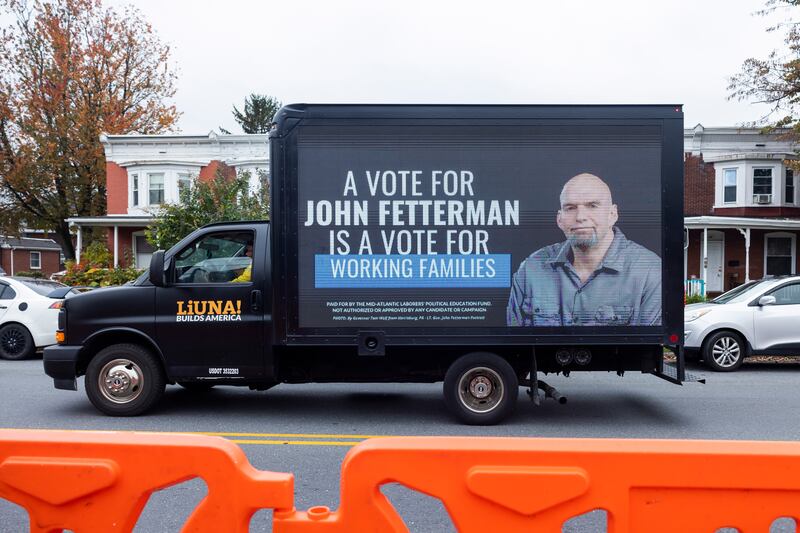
(209,319)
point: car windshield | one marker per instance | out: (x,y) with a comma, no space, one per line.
(41,286)
(738,291)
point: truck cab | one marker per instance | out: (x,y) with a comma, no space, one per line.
(206,319)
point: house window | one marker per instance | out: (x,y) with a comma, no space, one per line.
(135,190)
(36,260)
(142,250)
(729,185)
(184,183)
(779,252)
(156,188)
(789,186)
(762,181)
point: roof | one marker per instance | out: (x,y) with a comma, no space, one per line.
(710,222)
(29,243)
(210,137)
(112,220)
(735,143)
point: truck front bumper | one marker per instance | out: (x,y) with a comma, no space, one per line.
(61,364)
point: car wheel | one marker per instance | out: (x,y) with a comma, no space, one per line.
(16,342)
(724,351)
(481,389)
(124,380)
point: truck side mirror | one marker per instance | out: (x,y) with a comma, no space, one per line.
(157,277)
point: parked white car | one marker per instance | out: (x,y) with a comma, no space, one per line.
(757,318)
(28,315)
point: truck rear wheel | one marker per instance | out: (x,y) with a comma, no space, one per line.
(481,389)
(124,380)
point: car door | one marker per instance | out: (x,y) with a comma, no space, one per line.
(777,326)
(209,318)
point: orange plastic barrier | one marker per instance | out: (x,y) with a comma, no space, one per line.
(99,482)
(91,481)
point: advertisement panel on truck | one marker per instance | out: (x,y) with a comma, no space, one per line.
(534,225)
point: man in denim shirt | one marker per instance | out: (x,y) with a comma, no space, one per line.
(596,277)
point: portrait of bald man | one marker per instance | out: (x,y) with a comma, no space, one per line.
(596,277)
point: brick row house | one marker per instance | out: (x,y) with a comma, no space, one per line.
(29,255)
(144,172)
(741,207)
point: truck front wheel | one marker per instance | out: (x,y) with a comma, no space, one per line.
(481,389)
(124,380)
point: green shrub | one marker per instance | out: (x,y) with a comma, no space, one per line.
(29,274)
(86,275)
(97,255)
(695,299)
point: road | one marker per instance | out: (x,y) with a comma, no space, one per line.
(307,429)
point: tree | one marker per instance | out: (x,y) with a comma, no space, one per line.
(774,81)
(258,112)
(228,196)
(69,71)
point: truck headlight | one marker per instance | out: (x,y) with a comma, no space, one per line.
(694,315)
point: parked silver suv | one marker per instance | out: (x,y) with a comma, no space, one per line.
(757,318)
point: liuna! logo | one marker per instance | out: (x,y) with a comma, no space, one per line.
(208,310)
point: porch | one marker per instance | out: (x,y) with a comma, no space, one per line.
(124,236)
(724,252)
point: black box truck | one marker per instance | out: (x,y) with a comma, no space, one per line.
(480,246)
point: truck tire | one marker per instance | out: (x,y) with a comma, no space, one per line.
(724,351)
(124,380)
(16,342)
(481,389)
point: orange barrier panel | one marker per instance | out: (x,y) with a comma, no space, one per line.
(99,482)
(91,481)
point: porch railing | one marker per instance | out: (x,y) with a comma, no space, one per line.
(694,287)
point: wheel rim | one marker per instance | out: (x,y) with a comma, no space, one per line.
(480,390)
(726,352)
(120,381)
(12,341)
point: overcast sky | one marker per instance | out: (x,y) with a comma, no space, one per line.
(491,51)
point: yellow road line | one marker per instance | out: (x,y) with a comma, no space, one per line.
(296,442)
(291,435)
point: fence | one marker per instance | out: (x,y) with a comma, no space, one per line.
(99,482)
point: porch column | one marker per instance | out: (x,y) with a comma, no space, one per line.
(116,246)
(705,258)
(746,233)
(79,245)
(12,261)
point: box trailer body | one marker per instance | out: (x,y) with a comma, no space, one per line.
(475,245)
